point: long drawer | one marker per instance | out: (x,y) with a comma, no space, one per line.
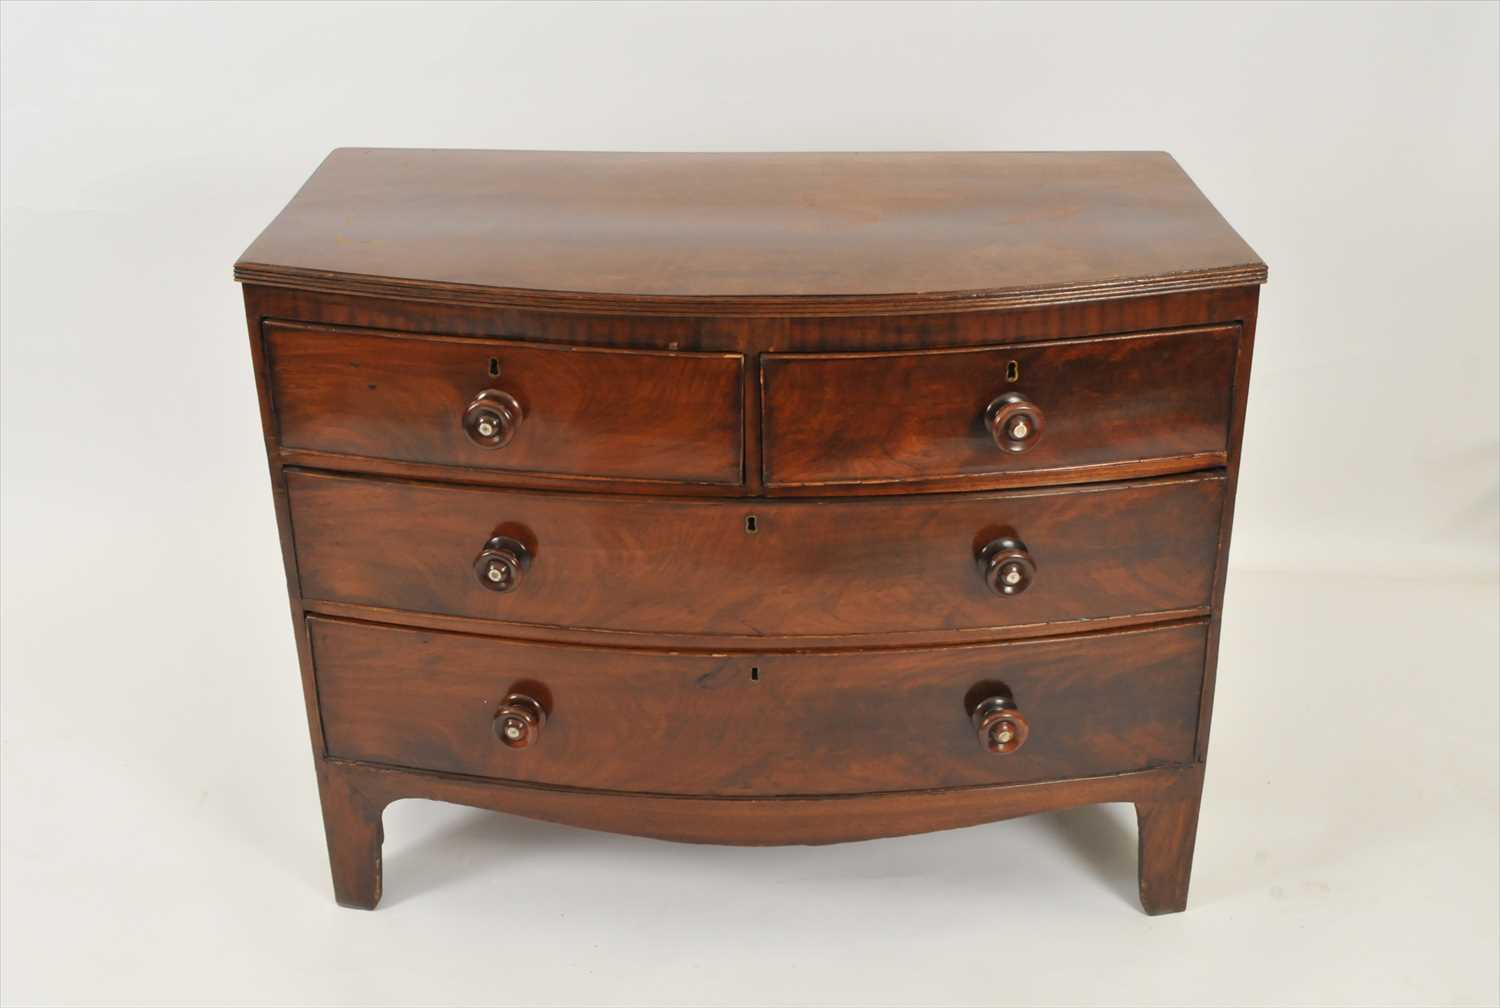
(786,568)
(758,724)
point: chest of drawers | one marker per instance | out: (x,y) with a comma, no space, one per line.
(754,499)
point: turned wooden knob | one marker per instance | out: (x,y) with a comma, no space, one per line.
(1000,725)
(502,563)
(1006,566)
(518,722)
(1015,422)
(492,418)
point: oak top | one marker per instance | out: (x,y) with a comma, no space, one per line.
(743,234)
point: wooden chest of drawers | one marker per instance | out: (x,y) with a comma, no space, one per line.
(754,499)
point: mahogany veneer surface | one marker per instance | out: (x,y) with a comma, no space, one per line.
(754,498)
(816,568)
(1129,399)
(728,233)
(384,396)
(699,724)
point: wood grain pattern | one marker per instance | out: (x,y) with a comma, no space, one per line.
(597,412)
(354,832)
(835,419)
(1226,520)
(768,724)
(751,337)
(760,334)
(637,557)
(743,234)
(1168,833)
(636,639)
(812,567)
(747,821)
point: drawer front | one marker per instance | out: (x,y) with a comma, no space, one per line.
(775,724)
(1148,403)
(576,411)
(665,565)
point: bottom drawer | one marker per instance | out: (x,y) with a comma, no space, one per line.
(747,724)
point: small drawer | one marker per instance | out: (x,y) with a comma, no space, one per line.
(660,416)
(760,724)
(785,568)
(1040,412)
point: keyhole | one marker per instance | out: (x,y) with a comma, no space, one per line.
(495,368)
(751,527)
(1013,371)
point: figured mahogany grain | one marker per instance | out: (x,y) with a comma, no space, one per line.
(752,255)
(863,566)
(919,416)
(597,412)
(809,723)
(737,234)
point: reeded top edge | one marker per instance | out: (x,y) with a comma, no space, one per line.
(750,234)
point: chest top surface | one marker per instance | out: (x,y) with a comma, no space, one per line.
(785,234)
